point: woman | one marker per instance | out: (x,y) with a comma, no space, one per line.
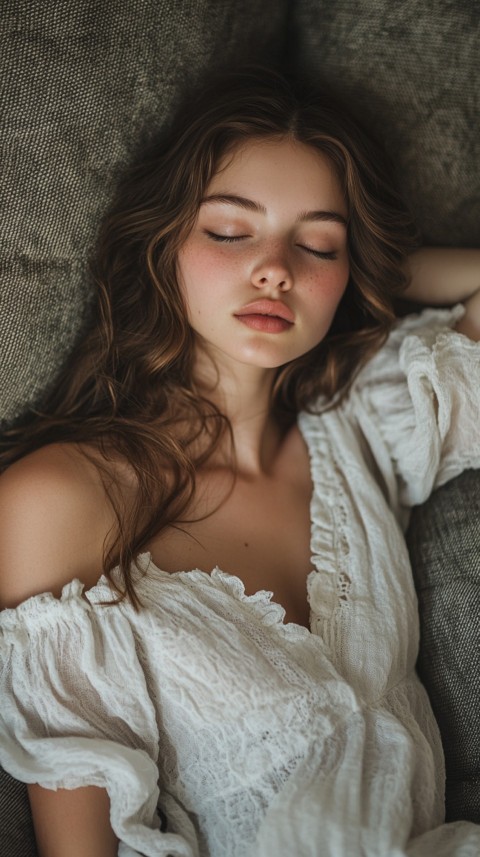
(236,445)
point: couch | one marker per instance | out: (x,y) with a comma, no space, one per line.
(89,84)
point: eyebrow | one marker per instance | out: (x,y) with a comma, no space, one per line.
(251,205)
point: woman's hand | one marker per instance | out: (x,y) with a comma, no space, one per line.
(444,276)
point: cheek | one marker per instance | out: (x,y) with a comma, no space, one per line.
(329,287)
(196,277)
(339,282)
(205,265)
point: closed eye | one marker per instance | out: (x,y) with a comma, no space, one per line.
(318,253)
(230,239)
(225,238)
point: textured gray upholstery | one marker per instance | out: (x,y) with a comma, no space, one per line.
(444,544)
(16,830)
(411,71)
(87,86)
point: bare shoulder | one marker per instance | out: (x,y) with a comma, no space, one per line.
(54,518)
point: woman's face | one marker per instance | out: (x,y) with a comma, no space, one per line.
(266,263)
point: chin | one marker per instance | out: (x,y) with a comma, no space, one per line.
(263,358)
(269,358)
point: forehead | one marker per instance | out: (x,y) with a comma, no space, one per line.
(272,168)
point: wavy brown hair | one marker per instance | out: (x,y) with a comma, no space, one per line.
(128,390)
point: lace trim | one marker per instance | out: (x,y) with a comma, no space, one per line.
(330,584)
(39,606)
(268,611)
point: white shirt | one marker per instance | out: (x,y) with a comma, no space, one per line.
(256,737)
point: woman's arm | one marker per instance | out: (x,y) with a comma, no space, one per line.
(53,520)
(441,275)
(48,536)
(74,822)
(447,276)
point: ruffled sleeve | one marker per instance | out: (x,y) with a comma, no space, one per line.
(417,403)
(76,711)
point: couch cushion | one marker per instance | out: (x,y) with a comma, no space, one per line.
(16,831)
(444,543)
(411,71)
(87,86)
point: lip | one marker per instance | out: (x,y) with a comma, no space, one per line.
(264,323)
(265,307)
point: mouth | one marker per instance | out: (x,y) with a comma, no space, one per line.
(267,309)
(266,316)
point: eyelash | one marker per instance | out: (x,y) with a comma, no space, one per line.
(226,239)
(231,239)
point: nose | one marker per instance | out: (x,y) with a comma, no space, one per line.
(274,272)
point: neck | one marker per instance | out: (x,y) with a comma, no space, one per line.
(243,393)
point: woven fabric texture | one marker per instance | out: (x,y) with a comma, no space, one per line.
(410,70)
(16,831)
(444,544)
(86,86)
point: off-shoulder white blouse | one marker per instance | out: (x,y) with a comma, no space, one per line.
(218,729)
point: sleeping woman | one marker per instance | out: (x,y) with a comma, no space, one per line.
(209,626)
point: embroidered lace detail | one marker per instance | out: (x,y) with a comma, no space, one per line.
(329,587)
(260,603)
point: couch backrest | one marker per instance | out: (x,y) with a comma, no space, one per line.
(411,72)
